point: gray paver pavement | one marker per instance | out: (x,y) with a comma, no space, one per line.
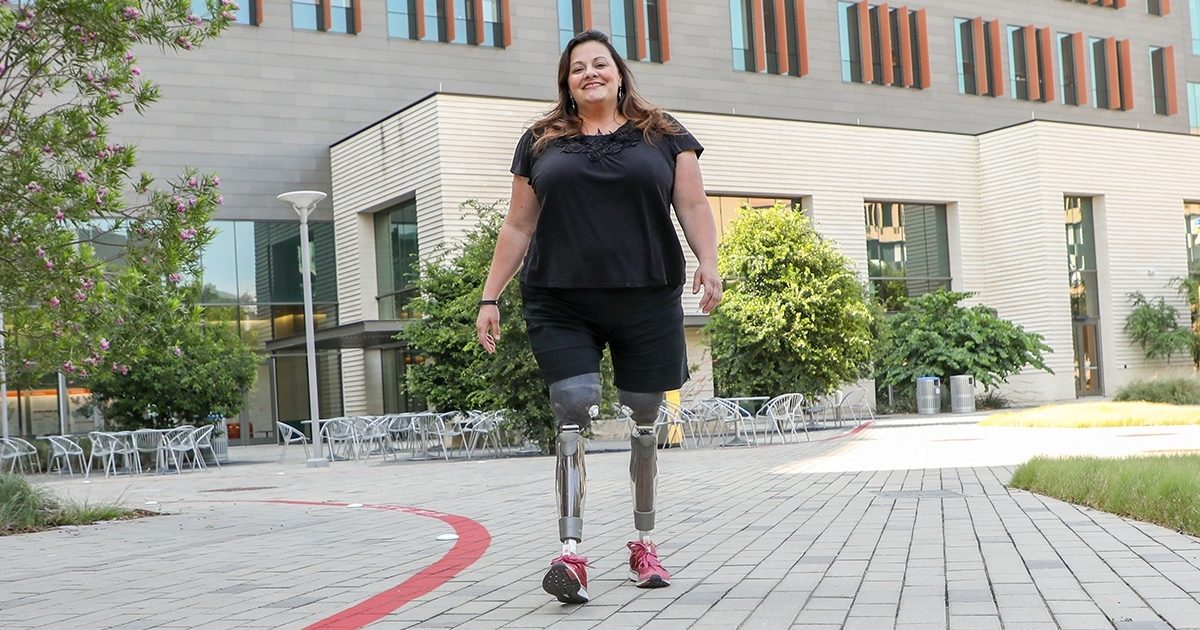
(899,526)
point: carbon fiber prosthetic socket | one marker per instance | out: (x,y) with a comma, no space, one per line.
(643,456)
(576,401)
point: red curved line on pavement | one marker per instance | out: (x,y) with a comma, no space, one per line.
(856,430)
(473,540)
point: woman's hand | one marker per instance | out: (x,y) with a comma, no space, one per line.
(708,278)
(487,327)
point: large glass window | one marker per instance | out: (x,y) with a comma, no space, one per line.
(570,20)
(1191,217)
(1066,65)
(741,28)
(964,43)
(908,250)
(1018,66)
(850,43)
(1098,70)
(396,259)
(885,24)
(402,18)
(1081,257)
(306,15)
(726,209)
(1193,96)
(624,17)
(341,14)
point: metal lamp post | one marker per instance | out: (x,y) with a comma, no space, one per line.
(303,202)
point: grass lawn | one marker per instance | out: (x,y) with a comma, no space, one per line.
(1096,414)
(1164,489)
(24,508)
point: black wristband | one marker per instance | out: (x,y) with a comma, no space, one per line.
(495,303)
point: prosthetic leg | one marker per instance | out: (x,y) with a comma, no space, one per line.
(644,567)
(576,401)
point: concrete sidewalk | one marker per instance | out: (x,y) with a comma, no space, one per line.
(892,527)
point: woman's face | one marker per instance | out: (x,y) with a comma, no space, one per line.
(593,77)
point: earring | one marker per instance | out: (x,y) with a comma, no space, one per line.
(620,92)
(572,102)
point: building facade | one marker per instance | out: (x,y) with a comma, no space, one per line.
(1036,152)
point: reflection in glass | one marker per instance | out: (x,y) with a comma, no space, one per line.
(396,396)
(219,264)
(291,383)
(306,15)
(908,250)
(1191,216)
(726,209)
(396,259)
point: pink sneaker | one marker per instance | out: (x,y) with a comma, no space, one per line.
(644,568)
(567,579)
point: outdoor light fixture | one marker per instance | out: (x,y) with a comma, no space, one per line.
(304,202)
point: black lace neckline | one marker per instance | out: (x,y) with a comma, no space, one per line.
(598,146)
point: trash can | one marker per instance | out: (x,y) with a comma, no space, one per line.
(929,395)
(962,393)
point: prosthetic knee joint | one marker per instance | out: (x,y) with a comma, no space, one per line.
(643,459)
(576,401)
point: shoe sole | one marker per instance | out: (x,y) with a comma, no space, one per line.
(562,585)
(654,581)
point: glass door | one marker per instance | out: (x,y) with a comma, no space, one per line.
(1086,335)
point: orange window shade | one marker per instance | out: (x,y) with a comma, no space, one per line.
(905,35)
(258,12)
(477,9)
(1164,7)
(1032,71)
(419,16)
(326,14)
(865,53)
(884,24)
(639,28)
(1081,85)
(1120,4)
(781,40)
(801,37)
(506,21)
(1126,77)
(1047,64)
(357,26)
(1110,69)
(996,59)
(448,15)
(923,46)
(760,37)
(664,33)
(585,6)
(1168,57)
(980,54)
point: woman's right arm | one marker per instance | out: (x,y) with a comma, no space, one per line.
(511,245)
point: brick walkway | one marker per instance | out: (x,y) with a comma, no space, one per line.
(900,526)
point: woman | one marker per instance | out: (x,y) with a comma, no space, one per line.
(593,185)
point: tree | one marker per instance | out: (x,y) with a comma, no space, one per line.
(794,317)
(1154,326)
(74,247)
(456,372)
(934,336)
(173,366)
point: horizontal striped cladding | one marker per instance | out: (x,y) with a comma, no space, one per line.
(1024,252)
(354,382)
(1140,221)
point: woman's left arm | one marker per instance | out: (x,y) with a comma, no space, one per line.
(695,216)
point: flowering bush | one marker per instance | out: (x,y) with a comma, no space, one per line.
(80,234)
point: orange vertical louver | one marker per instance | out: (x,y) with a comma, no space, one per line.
(1047,62)
(664,33)
(639,27)
(865,52)
(1081,89)
(1114,76)
(801,38)
(883,22)
(996,59)
(477,11)
(1032,69)
(1123,57)
(980,56)
(1168,57)
(906,60)
(781,40)
(448,18)
(923,46)
(760,41)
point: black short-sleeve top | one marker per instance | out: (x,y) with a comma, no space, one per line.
(605,209)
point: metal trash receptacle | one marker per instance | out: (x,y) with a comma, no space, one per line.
(962,393)
(929,395)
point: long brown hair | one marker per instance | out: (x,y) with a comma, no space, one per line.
(563,119)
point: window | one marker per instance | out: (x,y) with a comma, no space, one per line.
(1030,68)
(248,11)
(769,36)
(1081,257)
(1158,80)
(1158,7)
(1194,107)
(1109,68)
(474,22)
(979,57)
(1018,66)
(883,45)
(306,15)
(1191,217)
(396,254)
(341,16)
(1069,64)
(908,250)
(726,209)
(639,29)
(574,16)
(1194,11)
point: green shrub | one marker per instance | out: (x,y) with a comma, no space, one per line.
(21,505)
(1174,391)
(1154,326)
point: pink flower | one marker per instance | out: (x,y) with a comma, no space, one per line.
(216,181)
(191,183)
(177,351)
(23,25)
(91,134)
(180,207)
(128,55)
(124,370)
(81,176)
(47,150)
(59,216)
(54,302)
(174,278)
(229,15)
(3,68)
(29,364)
(131,13)
(183,42)
(83,373)
(220,199)
(33,187)
(137,72)
(69,367)
(79,296)
(104,344)
(187,234)
(41,253)
(49,265)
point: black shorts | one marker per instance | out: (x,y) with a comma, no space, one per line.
(643,328)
